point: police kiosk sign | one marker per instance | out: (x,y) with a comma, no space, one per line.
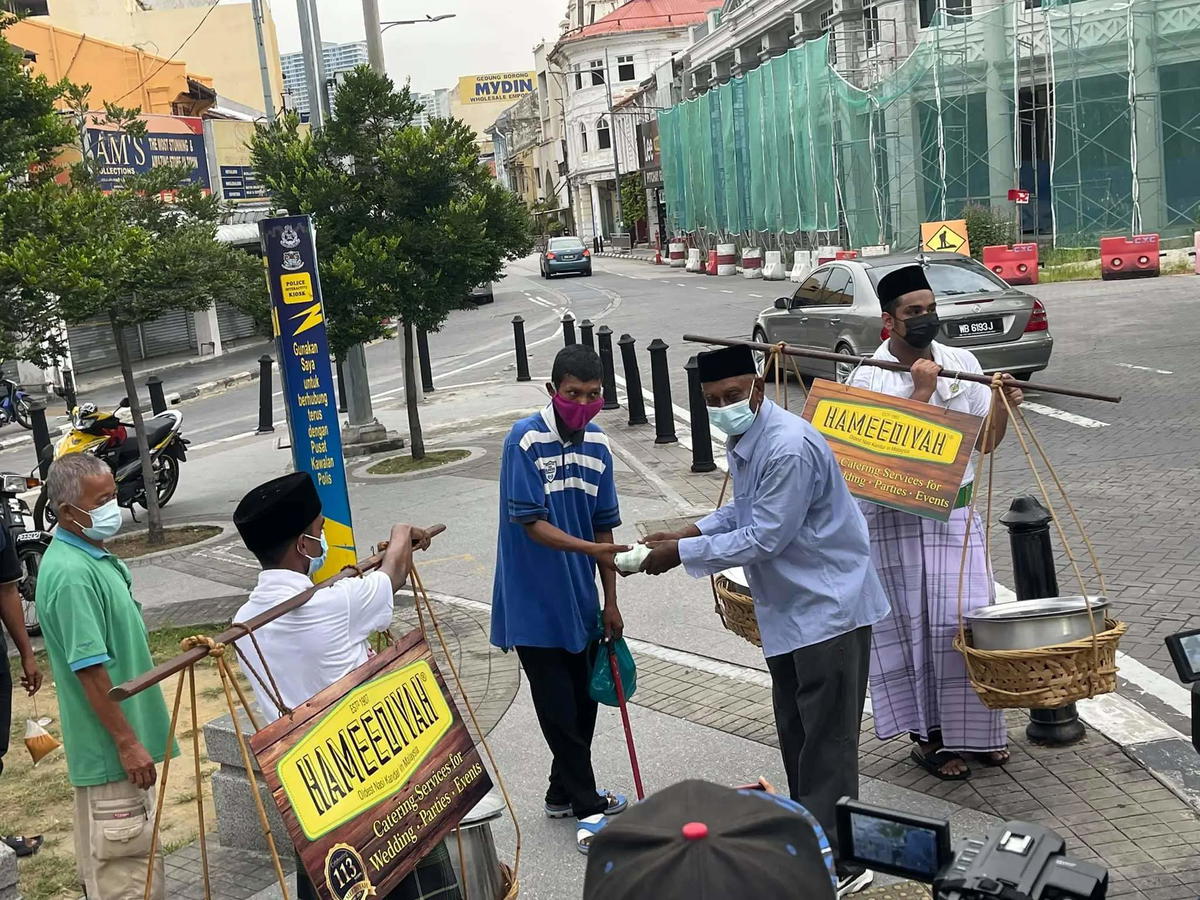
(298,319)
(371,773)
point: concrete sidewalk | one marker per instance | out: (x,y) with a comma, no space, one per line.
(700,687)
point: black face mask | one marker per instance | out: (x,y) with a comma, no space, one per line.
(919,331)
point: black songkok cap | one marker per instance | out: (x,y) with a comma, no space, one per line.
(728,362)
(698,840)
(898,282)
(277,511)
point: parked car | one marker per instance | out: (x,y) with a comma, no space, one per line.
(566,254)
(482,293)
(837,310)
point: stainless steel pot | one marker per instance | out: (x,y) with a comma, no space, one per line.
(1024,624)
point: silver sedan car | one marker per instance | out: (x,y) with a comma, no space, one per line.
(837,310)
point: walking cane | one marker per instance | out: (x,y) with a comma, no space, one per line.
(616,674)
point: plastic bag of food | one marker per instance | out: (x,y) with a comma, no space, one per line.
(39,740)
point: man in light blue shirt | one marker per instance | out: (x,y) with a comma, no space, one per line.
(803,543)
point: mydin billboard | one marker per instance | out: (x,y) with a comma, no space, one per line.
(503,87)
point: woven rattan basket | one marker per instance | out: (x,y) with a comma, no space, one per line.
(736,609)
(1044,677)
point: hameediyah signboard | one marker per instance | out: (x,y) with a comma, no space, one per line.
(506,87)
(298,319)
(893,451)
(371,773)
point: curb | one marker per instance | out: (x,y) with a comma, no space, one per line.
(212,387)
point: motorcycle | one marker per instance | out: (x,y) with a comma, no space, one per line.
(30,543)
(115,442)
(14,404)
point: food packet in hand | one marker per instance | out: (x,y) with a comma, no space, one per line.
(631,560)
(38,740)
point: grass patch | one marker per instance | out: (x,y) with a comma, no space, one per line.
(138,544)
(1060,256)
(1184,266)
(1088,270)
(401,465)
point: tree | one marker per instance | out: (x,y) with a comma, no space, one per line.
(70,252)
(633,199)
(407,219)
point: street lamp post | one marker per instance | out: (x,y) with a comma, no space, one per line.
(612,134)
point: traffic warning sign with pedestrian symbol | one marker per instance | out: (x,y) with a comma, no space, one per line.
(945,237)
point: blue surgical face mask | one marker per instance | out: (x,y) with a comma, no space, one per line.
(106,520)
(736,418)
(315,562)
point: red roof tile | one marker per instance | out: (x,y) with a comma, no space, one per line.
(644,15)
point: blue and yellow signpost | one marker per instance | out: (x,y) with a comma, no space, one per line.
(298,315)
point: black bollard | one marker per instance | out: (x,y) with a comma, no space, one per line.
(518,325)
(1028,524)
(702,454)
(265,406)
(606,368)
(341,387)
(41,435)
(660,382)
(568,324)
(68,390)
(585,334)
(158,402)
(633,381)
(426,364)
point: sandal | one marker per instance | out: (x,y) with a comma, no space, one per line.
(933,762)
(24,846)
(586,829)
(989,759)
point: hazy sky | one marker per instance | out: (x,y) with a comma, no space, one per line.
(485,35)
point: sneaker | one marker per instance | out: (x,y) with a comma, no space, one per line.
(853,883)
(616,804)
(586,829)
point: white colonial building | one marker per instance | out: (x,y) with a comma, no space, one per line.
(603,55)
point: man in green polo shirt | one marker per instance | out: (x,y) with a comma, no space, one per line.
(95,638)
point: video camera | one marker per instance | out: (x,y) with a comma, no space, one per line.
(1014,861)
(1185,653)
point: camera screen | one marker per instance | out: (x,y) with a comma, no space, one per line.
(895,845)
(1191,648)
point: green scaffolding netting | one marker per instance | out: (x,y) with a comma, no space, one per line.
(1091,106)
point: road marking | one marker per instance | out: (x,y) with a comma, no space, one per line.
(1081,421)
(759,296)
(680,284)
(224,440)
(699,288)
(725,291)
(1145,369)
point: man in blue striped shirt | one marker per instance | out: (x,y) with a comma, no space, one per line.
(558,509)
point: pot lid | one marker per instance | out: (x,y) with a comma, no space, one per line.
(490,807)
(1036,609)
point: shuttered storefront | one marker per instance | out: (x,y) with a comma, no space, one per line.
(234,323)
(93,347)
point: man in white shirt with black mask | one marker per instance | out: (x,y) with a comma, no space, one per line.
(313,646)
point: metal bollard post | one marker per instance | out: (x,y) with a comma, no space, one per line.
(426,363)
(265,406)
(660,382)
(606,368)
(158,402)
(585,334)
(568,324)
(518,325)
(341,387)
(1028,524)
(41,435)
(633,381)
(702,454)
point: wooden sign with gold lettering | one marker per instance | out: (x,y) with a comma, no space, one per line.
(371,773)
(893,451)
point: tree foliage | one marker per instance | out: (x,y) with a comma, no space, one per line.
(633,198)
(407,220)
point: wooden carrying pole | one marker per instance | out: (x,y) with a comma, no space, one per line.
(166,669)
(789,350)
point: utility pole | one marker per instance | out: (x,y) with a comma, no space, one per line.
(612,133)
(319,59)
(256,13)
(374,35)
(315,111)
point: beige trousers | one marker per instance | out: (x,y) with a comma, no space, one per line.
(113,826)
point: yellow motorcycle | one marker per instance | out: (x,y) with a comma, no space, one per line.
(115,442)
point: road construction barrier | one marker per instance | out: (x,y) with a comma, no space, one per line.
(801,265)
(827,253)
(694,262)
(846,254)
(752,262)
(677,253)
(773,269)
(711,267)
(726,259)
(1017,264)
(1135,257)
(1196,256)
(876,249)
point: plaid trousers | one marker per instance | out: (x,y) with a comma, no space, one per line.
(432,879)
